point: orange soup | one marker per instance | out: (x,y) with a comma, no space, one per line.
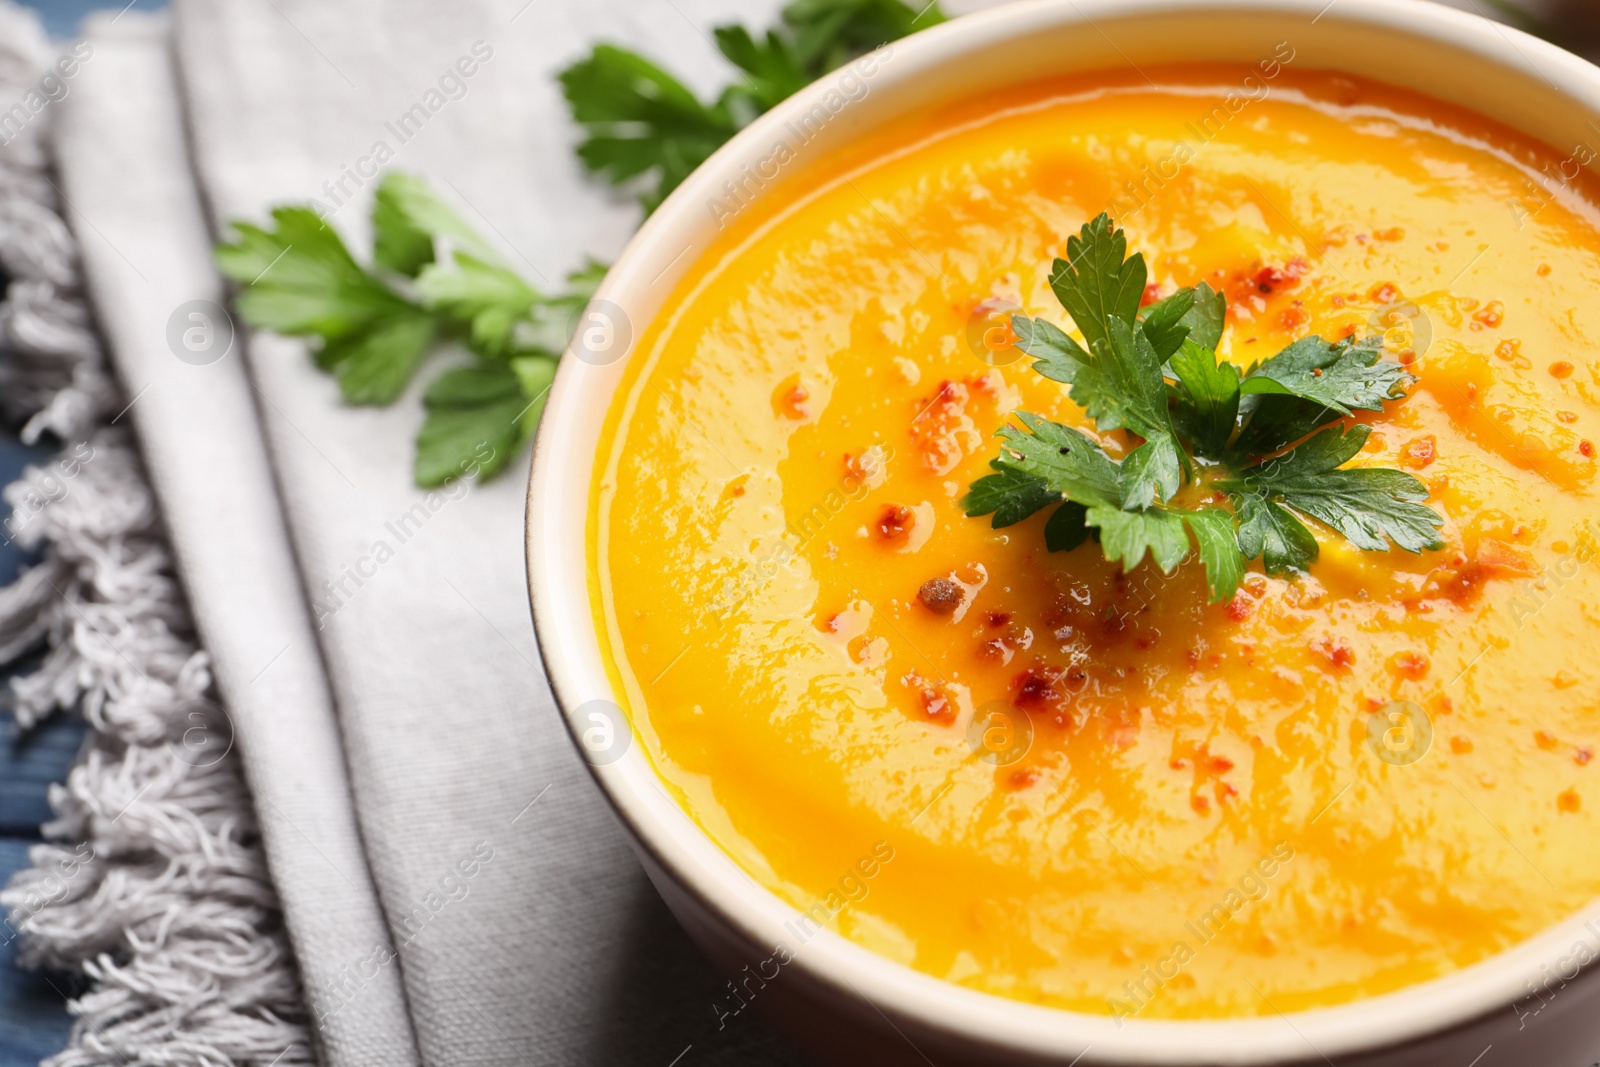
(1063,783)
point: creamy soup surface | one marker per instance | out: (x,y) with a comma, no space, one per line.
(1332,786)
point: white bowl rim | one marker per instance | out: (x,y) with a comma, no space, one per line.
(558,586)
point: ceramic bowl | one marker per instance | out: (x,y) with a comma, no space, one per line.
(1533,1004)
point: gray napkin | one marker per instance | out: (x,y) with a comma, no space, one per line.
(525,931)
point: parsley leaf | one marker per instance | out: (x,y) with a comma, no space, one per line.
(399,243)
(641,121)
(827,34)
(773,70)
(407,217)
(1069,463)
(645,129)
(1126,536)
(1096,284)
(1150,472)
(302,281)
(478,417)
(1056,355)
(1268,531)
(375,365)
(1207,395)
(1309,382)
(366,329)
(1341,375)
(1011,495)
(1164,322)
(1127,391)
(1156,374)
(1120,384)
(488,298)
(1066,528)
(1213,530)
(1370,506)
(1207,317)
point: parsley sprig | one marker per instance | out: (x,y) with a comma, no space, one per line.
(433,280)
(1271,437)
(647,130)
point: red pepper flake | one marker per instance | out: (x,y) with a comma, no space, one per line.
(1240,607)
(1178,764)
(1411,664)
(1270,279)
(1492,314)
(1220,764)
(789,398)
(987,384)
(1582,756)
(1587,448)
(1560,369)
(1022,777)
(1033,688)
(1567,416)
(1385,293)
(1418,452)
(1335,650)
(895,522)
(936,706)
(940,595)
(994,650)
(1200,803)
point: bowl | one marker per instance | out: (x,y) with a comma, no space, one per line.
(1534,1003)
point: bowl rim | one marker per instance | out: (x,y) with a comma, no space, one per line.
(558,589)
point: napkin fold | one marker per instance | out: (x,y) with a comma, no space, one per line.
(454,888)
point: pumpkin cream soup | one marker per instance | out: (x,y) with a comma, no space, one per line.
(1036,774)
